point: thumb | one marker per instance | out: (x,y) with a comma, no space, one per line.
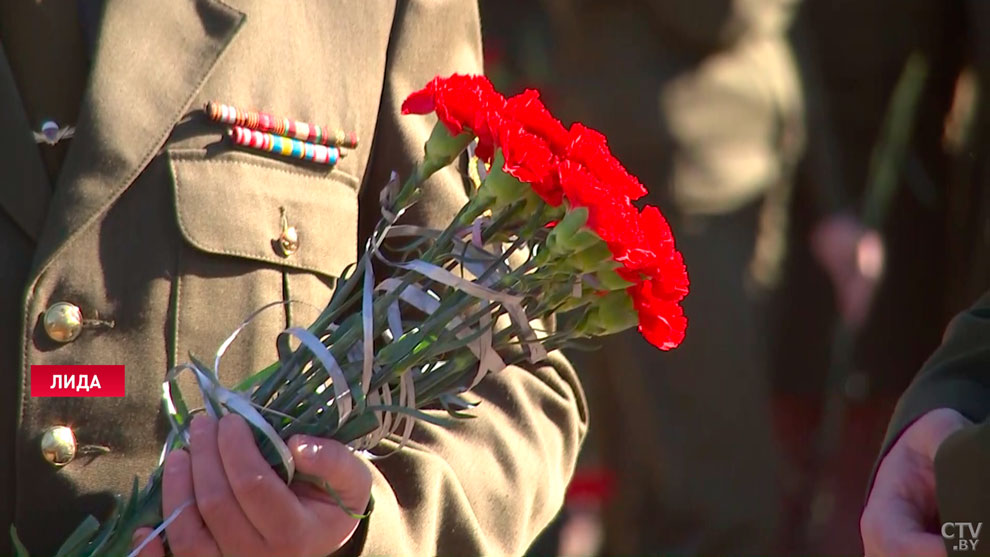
(902,504)
(335,464)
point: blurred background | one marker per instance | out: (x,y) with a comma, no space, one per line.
(822,166)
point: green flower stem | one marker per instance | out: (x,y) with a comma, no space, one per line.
(287,389)
(455,306)
(291,392)
(381,306)
(295,380)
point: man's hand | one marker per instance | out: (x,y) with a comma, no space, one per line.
(899,518)
(853,257)
(240,505)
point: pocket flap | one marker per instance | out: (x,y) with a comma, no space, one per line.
(232,204)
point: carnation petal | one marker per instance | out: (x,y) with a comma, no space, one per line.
(419,102)
(528,109)
(590,148)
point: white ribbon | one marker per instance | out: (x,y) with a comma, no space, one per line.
(235,402)
(428,302)
(511,303)
(475,259)
(211,390)
(368,324)
(341,390)
(161,528)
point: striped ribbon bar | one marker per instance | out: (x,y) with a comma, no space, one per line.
(303,131)
(286,146)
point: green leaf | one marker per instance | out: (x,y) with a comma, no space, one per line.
(19,549)
(357,397)
(401,348)
(257,378)
(286,360)
(326,487)
(345,276)
(217,407)
(454,404)
(132,502)
(146,511)
(412,412)
(101,539)
(79,537)
(181,408)
(458,415)
(356,427)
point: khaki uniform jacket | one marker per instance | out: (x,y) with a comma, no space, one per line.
(160,226)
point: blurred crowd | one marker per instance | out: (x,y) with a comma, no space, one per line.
(822,166)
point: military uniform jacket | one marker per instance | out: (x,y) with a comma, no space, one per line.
(158,225)
(956,376)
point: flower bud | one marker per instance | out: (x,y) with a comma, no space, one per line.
(569,225)
(610,280)
(572,303)
(442,148)
(592,258)
(505,189)
(614,313)
(570,234)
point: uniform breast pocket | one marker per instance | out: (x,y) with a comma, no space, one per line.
(254,231)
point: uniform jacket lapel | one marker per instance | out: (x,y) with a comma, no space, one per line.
(151,58)
(24,188)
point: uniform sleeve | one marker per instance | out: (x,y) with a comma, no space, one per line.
(956,376)
(488,485)
(961,481)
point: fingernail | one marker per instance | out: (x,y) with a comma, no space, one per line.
(306,448)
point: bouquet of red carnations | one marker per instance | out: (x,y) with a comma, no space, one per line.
(550,230)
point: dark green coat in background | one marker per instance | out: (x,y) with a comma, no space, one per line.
(158,225)
(957,376)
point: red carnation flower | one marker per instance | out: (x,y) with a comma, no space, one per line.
(527,109)
(643,244)
(614,219)
(674,284)
(580,186)
(575,164)
(653,244)
(528,159)
(667,279)
(589,148)
(670,276)
(661,322)
(609,216)
(652,259)
(460,102)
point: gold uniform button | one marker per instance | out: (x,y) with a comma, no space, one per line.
(58,445)
(288,241)
(63,322)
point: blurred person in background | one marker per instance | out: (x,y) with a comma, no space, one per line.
(936,451)
(705,103)
(725,110)
(937,251)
